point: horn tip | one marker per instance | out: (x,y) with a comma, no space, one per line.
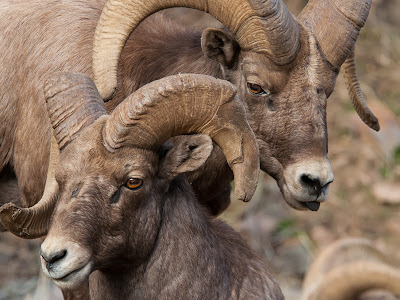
(245,194)
(9,212)
(375,126)
(245,198)
(373,122)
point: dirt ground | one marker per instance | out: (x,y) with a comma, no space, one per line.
(364,199)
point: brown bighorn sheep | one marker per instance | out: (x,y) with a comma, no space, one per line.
(284,92)
(155,240)
(351,269)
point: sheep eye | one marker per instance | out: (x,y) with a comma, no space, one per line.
(134,183)
(255,89)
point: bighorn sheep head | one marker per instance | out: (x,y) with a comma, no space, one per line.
(176,105)
(284,68)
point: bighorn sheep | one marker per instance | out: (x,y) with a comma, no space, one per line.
(284,70)
(155,240)
(351,269)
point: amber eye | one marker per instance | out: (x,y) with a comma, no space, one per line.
(134,183)
(255,89)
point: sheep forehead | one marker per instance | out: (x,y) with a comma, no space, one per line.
(309,67)
(259,69)
(85,161)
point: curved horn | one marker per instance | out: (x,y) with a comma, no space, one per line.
(348,268)
(356,95)
(350,281)
(336,25)
(32,222)
(67,118)
(184,104)
(259,25)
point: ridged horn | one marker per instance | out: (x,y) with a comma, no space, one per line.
(72,103)
(347,269)
(356,95)
(32,222)
(188,104)
(350,281)
(336,25)
(264,26)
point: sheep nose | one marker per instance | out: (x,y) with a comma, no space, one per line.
(52,258)
(314,184)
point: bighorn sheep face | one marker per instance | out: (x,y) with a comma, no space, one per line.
(99,190)
(291,101)
(285,69)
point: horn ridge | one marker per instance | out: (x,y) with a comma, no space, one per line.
(357,14)
(336,25)
(351,280)
(205,94)
(346,269)
(356,94)
(73,103)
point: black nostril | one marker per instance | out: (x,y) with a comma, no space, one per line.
(312,183)
(52,258)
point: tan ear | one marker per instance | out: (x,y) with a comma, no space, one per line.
(189,153)
(221,46)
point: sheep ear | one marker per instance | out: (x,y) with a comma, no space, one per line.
(73,103)
(221,46)
(189,153)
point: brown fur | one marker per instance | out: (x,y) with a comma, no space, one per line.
(57,36)
(156,242)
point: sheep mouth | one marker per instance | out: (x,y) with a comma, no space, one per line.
(312,205)
(70,275)
(74,278)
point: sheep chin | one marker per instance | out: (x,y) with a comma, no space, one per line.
(300,205)
(75,278)
(290,199)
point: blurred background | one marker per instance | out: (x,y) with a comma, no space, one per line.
(364,199)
